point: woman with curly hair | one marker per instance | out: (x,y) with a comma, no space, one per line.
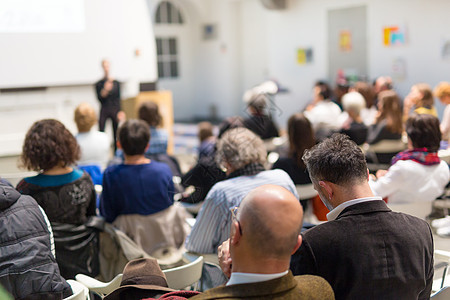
(66,194)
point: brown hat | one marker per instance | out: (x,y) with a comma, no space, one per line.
(142,274)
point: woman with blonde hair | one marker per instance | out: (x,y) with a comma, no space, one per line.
(421,99)
(442,91)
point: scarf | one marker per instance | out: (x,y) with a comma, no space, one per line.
(247,170)
(419,155)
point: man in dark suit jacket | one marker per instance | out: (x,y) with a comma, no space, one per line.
(365,251)
(264,233)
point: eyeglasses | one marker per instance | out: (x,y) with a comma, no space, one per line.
(234,211)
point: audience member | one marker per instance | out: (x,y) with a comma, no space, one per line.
(340,90)
(149,112)
(442,91)
(259,252)
(94,145)
(66,194)
(420,99)
(368,114)
(207,140)
(28,269)
(388,124)
(382,83)
(354,126)
(322,112)
(259,121)
(301,137)
(417,174)
(108,93)
(242,154)
(365,251)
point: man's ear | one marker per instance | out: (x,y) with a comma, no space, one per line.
(299,243)
(327,186)
(235,235)
(368,175)
(146,148)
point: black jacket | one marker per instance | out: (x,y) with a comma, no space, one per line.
(27,266)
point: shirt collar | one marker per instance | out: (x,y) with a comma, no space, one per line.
(240,278)
(332,215)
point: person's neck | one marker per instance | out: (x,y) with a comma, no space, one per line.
(356,191)
(58,170)
(259,265)
(136,160)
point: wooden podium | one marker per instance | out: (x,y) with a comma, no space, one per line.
(164,100)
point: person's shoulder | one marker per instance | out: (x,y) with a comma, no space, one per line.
(112,169)
(313,287)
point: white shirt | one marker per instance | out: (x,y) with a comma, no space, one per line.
(241,278)
(408,181)
(325,114)
(332,215)
(95,148)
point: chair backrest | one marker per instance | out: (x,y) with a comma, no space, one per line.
(305,191)
(186,275)
(80,292)
(442,294)
(387,146)
(99,287)
(417,209)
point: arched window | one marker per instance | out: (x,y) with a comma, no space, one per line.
(167,13)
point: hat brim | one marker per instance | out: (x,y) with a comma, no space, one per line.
(115,295)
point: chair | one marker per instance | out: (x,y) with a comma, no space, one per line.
(80,292)
(442,260)
(382,147)
(442,294)
(100,288)
(305,191)
(417,209)
(186,275)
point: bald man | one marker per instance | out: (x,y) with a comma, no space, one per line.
(264,234)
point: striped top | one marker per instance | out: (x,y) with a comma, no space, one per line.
(212,227)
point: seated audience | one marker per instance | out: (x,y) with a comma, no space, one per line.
(65,193)
(417,174)
(149,112)
(94,145)
(322,112)
(382,83)
(242,154)
(259,121)
(301,137)
(420,99)
(368,113)
(259,251)
(207,140)
(354,126)
(28,269)
(140,191)
(365,251)
(388,123)
(442,91)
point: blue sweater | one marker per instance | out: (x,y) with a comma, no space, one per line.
(136,189)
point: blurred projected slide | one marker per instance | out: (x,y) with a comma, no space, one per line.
(42,16)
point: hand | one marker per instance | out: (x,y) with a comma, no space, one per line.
(108,86)
(223,253)
(381,173)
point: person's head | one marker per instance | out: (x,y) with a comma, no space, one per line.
(366,90)
(322,90)
(205,130)
(239,147)
(390,110)
(257,104)
(422,95)
(301,136)
(442,91)
(48,144)
(134,136)
(149,112)
(352,103)
(337,161)
(85,117)
(105,67)
(424,132)
(382,83)
(266,226)
(230,123)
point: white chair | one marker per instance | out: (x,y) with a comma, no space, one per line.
(305,191)
(384,146)
(442,294)
(80,292)
(442,261)
(181,277)
(100,288)
(416,209)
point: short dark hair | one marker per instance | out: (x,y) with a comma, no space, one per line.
(47,144)
(325,90)
(149,112)
(338,160)
(134,136)
(424,131)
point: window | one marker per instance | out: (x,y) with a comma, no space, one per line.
(167,13)
(166,49)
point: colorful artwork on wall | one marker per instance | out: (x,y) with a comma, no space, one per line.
(345,41)
(394,35)
(304,56)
